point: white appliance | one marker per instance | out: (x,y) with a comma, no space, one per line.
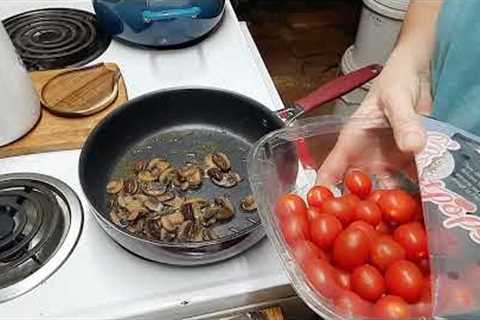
(101,280)
(20,106)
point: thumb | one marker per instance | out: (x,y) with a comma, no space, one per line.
(407,128)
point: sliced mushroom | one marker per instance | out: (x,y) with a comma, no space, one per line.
(130,186)
(140,166)
(154,205)
(123,199)
(154,228)
(226,209)
(167,176)
(227,180)
(184,231)
(159,164)
(218,160)
(116,218)
(221,161)
(248,204)
(187,211)
(167,225)
(137,227)
(111,204)
(210,212)
(176,218)
(153,188)
(196,201)
(135,208)
(115,186)
(195,179)
(215,173)
(167,196)
(176,202)
(146,176)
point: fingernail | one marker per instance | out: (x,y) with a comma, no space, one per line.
(412,141)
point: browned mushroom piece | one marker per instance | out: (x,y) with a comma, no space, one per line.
(221,161)
(167,176)
(167,196)
(176,202)
(140,166)
(226,209)
(130,186)
(176,218)
(184,231)
(187,211)
(146,176)
(153,188)
(248,204)
(167,225)
(115,186)
(153,228)
(226,180)
(154,205)
(159,164)
(118,218)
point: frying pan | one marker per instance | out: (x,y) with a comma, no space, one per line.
(184,123)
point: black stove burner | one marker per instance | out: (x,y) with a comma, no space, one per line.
(32,227)
(56,38)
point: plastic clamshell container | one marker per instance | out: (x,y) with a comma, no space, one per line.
(274,169)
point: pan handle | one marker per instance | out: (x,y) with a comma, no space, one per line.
(338,87)
(322,95)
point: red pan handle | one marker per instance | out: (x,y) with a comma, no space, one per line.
(329,92)
(338,87)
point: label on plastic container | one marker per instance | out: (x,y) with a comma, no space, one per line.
(449,174)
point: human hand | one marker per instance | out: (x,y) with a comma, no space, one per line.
(397,95)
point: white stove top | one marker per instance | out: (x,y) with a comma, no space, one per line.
(100,280)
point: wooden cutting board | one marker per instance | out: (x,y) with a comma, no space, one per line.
(54,132)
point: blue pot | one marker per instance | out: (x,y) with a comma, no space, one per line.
(159,23)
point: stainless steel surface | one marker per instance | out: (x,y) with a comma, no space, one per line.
(74,216)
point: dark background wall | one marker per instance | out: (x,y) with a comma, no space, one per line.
(301,41)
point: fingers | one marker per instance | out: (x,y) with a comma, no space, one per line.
(424,104)
(333,167)
(399,107)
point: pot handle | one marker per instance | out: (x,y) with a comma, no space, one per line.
(338,87)
(161,15)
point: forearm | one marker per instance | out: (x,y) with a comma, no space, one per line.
(416,41)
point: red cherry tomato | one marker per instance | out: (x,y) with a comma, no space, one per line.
(424,266)
(289,205)
(342,278)
(359,183)
(384,251)
(369,212)
(398,206)
(312,214)
(352,199)
(324,230)
(413,239)
(368,282)
(340,208)
(350,304)
(365,227)
(375,195)
(317,195)
(404,279)
(304,250)
(383,228)
(294,229)
(321,275)
(350,249)
(391,308)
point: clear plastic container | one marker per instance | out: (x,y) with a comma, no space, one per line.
(275,168)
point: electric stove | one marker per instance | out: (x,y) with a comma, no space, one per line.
(93,277)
